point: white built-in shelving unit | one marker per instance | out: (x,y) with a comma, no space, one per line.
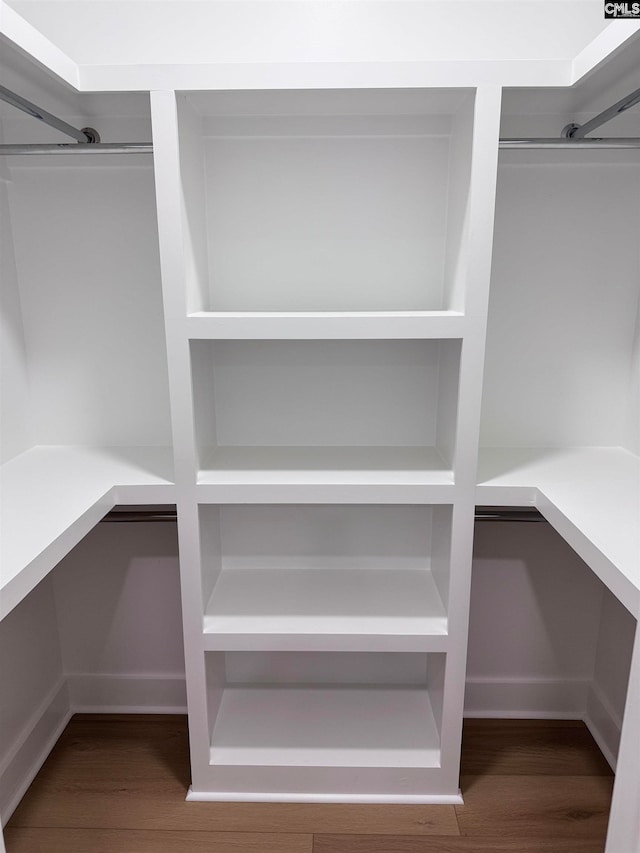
(316,253)
(282,322)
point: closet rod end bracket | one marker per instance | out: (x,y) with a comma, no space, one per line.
(569,130)
(92,134)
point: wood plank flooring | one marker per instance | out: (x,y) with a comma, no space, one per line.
(116,784)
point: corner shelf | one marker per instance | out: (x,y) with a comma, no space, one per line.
(53,495)
(591,495)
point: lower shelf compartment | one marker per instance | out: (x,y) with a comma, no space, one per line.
(326,727)
(326,610)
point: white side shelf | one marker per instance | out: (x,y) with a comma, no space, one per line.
(353,325)
(326,610)
(590,495)
(53,496)
(326,727)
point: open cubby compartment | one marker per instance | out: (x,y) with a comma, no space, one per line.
(317,405)
(563,344)
(326,201)
(325,577)
(314,722)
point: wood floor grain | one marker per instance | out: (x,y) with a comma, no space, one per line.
(462,844)
(533,806)
(22,840)
(530,747)
(117,785)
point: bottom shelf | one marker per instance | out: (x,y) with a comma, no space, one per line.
(326,727)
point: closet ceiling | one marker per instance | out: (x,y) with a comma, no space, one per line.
(116,44)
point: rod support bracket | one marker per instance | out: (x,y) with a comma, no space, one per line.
(569,130)
(92,134)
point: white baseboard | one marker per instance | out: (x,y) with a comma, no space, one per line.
(32,746)
(80,693)
(127,694)
(604,723)
(526,698)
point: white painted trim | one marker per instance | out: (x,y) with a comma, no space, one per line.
(15,28)
(113,693)
(527,698)
(40,734)
(604,723)
(609,40)
(296,797)
(325,75)
(31,724)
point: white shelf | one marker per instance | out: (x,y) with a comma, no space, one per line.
(297,325)
(53,496)
(364,474)
(425,462)
(591,496)
(326,610)
(325,727)
(314,405)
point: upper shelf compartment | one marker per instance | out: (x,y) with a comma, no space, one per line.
(362,411)
(318,201)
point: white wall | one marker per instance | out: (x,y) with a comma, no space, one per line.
(34,700)
(102,632)
(87,261)
(632,433)
(535,617)
(611,673)
(15,422)
(563,305)
(80,246)
(118,604)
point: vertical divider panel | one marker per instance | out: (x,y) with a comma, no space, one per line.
(478,247)
(191,158)
(204,412)
(176,259)
(174,264)
(441,551)
(473,212)
(460,143)
(448,395)
(211,549)
(215,673)
(436,672)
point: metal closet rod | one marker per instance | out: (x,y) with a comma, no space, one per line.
(568,144)
(147,147)
(79,148)
(579,131)
(87,139)
(483,513)
(574,135)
